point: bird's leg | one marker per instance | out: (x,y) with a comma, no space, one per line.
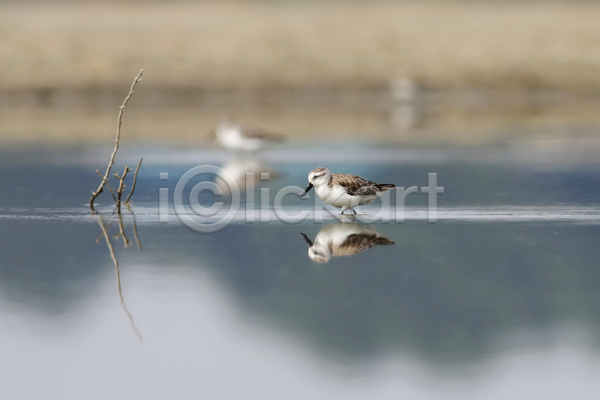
(342,213)
(354,211)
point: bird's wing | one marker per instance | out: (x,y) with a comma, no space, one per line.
(359,242)
(355,185)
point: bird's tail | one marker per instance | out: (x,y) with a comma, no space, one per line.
(278,137)
(384,187)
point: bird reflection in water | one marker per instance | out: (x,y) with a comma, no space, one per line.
(344,239)
(126,242)
(246,169)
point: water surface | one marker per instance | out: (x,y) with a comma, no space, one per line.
(498,299)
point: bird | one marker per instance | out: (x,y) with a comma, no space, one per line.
(236,137)
(343,240)
(344,191)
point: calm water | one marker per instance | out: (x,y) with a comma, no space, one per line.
(499,299)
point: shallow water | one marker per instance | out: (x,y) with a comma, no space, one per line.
(498,299)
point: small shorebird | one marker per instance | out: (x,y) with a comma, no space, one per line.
(236,137)
(344,191)
(343,240)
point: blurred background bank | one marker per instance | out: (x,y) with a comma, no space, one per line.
(466,72)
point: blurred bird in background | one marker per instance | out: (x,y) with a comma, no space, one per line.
(235,137)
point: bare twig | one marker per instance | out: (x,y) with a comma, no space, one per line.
(134,181)
(114,153)
(121,187)
(114,258)
(109,188)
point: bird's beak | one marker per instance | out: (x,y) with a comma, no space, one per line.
(310,186)
(308,241)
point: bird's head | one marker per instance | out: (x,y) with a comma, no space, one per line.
(317,177)
(317,252)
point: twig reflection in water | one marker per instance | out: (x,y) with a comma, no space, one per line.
(135,233)
(111,249)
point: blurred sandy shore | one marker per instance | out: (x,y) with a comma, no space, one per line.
(486,71)
(352,46)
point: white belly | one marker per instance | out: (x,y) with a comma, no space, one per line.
(338,197)
(232,138)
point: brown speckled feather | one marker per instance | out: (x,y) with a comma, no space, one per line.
(357,243)
(357,186)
